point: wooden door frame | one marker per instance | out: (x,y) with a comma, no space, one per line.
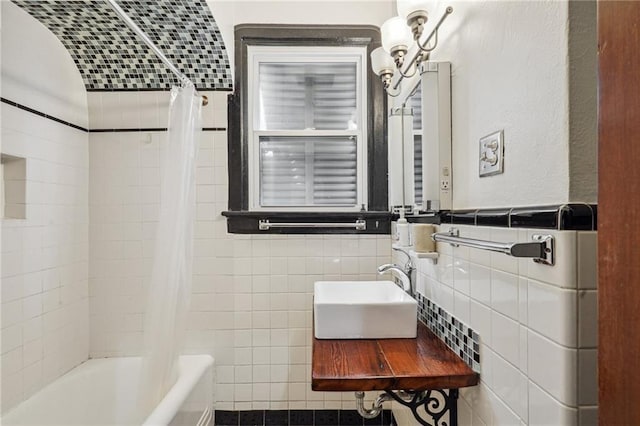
(619,212)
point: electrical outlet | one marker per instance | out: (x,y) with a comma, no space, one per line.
(492,154)
(445,185)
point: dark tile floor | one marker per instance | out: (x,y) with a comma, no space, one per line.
(300,418)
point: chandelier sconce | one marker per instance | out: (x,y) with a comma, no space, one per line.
(398,34)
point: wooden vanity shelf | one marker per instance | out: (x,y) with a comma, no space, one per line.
(422,363)
(413,372)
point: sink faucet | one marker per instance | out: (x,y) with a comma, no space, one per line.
(404,277)
(403,272)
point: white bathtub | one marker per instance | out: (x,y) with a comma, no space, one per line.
(103,392)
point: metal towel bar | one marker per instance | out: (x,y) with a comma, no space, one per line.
(358,225)
(541,249)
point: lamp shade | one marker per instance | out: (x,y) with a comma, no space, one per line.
(381,60)
(407,7)
(395,32)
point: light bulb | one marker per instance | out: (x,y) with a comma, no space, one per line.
(381,61)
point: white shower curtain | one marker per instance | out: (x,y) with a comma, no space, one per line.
(170,287)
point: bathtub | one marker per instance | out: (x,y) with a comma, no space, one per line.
(103,392)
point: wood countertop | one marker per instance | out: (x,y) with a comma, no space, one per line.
(388,364)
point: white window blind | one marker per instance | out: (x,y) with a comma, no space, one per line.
(417,168)
(416,105)
(307,171)
(317,96)
(307,136)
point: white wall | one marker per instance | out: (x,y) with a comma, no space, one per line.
(583,107)
(516,66)
(511,70)
(229,13)
(537,326)
(252,294)
(44,257)
(37,70)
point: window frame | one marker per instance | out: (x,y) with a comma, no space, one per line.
(307,54)
(242,217)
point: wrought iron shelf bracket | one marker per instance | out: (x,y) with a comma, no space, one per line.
(430,407)
(437,403)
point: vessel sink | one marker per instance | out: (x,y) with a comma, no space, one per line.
(363,310)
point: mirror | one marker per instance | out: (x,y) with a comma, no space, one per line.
(420,142)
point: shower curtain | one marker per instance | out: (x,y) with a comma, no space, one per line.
(169,290)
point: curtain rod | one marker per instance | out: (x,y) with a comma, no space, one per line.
(136,29)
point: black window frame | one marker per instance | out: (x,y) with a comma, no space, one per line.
(240,219)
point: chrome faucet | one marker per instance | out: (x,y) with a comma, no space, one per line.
(404,277)
(403,272)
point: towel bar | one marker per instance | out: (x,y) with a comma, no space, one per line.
(541,249)
(358,225)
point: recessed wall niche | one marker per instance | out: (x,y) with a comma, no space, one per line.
(14,185)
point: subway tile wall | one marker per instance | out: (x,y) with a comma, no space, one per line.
(251,306)
(537,326)
(45,327)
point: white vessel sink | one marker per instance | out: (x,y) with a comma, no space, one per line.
(363,310)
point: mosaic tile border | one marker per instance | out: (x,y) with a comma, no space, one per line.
(458,336)
(110,56)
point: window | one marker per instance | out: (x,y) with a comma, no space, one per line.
(306,149)
(307,137)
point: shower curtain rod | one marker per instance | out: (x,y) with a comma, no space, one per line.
(136,29)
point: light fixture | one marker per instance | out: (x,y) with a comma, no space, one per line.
(396,39)
(382,65)
(415,13)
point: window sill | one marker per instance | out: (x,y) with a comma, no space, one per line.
(248,222)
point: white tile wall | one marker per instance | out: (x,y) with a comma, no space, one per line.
(537,326)
(45,329)
(135,110)
(252,294)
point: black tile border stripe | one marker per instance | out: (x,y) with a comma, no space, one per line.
(561,217)
(75,126)
(497,217)
(143,129)
(152,129)
(320,417)
(43,115)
